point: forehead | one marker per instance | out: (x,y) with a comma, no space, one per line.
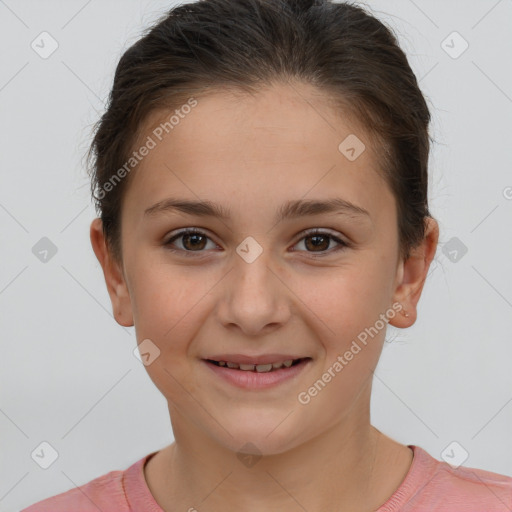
(277,117)
(282,142)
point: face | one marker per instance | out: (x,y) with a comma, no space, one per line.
(257,281)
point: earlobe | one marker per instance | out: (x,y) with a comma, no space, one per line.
(114,278)
(412,273)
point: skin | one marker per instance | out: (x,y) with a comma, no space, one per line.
(251,153)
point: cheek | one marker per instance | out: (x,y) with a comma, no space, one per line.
(350,298)
(160,293)
(163,307)
(159,301)
(346,309)
(170,303)
(348,304)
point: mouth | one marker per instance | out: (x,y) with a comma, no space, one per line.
(258,368)
(251,376)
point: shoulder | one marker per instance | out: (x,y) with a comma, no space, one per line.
(476,486)
(103,493)
(442,487)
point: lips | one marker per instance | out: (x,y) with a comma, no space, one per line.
(260,368)
(255,359)
(257,377)
(261,364)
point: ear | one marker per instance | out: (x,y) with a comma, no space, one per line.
(411,275)
(114,277)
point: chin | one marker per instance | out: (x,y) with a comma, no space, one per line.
(259,438)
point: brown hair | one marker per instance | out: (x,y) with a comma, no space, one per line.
(248,44)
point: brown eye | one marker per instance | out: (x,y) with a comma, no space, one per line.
(317,241)
(320,242)
(192,240)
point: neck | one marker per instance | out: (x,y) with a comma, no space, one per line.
(351,466)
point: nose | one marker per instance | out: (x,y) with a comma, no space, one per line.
(254,297)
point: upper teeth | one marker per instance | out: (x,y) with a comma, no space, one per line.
(258,367)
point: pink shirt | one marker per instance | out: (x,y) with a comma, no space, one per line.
(430,485)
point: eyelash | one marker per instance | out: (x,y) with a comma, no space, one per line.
(310,233)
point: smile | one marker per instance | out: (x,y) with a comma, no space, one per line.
(260,368)
(260,376)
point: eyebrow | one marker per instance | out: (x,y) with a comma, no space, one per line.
(290,210)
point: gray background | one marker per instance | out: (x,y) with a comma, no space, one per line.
(68,375)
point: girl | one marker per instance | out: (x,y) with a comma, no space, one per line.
(261,181)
